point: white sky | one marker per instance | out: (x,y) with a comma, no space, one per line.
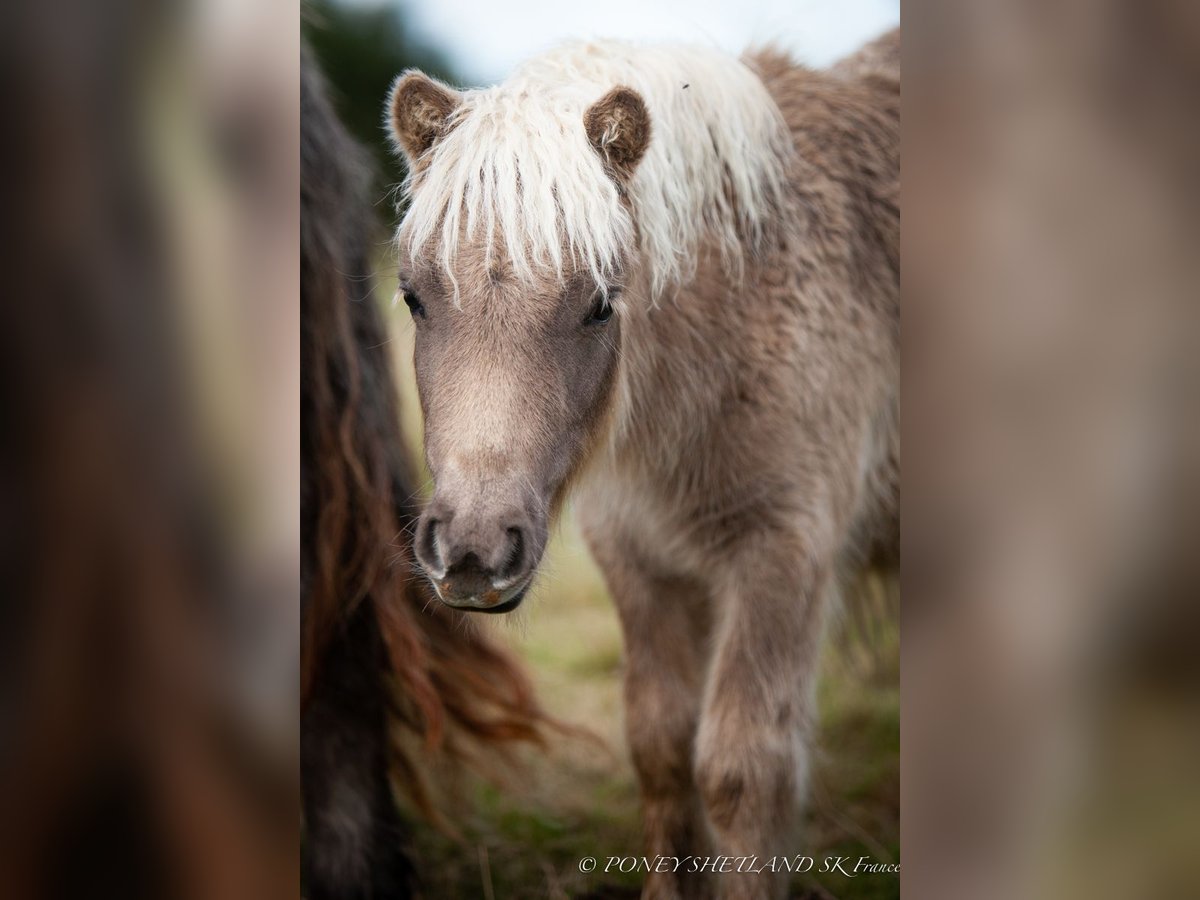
(486,38)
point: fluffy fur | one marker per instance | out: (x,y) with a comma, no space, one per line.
(516,160)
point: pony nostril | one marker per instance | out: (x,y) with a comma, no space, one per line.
(514,562)
(427,551)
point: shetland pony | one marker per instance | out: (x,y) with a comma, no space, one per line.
(379,666)
(667,279)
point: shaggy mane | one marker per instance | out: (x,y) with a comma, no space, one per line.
(516,162)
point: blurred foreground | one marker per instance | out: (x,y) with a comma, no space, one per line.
(149,458)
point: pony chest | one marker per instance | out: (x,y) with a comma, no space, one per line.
(641,513)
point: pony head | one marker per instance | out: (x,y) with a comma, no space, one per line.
(512,257)
(537,211)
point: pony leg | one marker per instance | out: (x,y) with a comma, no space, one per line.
(665,624)
(751,748)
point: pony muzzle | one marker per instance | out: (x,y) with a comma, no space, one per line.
(479,562)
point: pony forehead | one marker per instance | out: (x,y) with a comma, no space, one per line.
(515,173)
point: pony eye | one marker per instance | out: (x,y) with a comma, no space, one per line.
(601,311)
(413,302)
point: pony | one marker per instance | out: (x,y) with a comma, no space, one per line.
(383,673)
(665,280)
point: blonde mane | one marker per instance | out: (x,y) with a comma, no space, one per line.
(517,163)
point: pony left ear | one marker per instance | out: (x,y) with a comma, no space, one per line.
(419,111)
(618,127)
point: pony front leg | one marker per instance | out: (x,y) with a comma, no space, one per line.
(665,626)
(663,681)
(752,744)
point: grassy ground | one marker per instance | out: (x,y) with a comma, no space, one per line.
(524,839)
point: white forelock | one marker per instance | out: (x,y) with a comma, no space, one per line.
(517,163)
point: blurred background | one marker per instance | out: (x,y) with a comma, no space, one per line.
(525,836)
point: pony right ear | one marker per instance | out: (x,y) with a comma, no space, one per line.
(419,111)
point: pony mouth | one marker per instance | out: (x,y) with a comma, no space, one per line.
(507,606)
(505,602)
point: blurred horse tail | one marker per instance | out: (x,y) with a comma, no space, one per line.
(382,669)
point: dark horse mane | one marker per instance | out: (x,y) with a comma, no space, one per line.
(380,663)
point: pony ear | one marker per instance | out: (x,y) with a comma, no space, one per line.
(419,110)
(618,126)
